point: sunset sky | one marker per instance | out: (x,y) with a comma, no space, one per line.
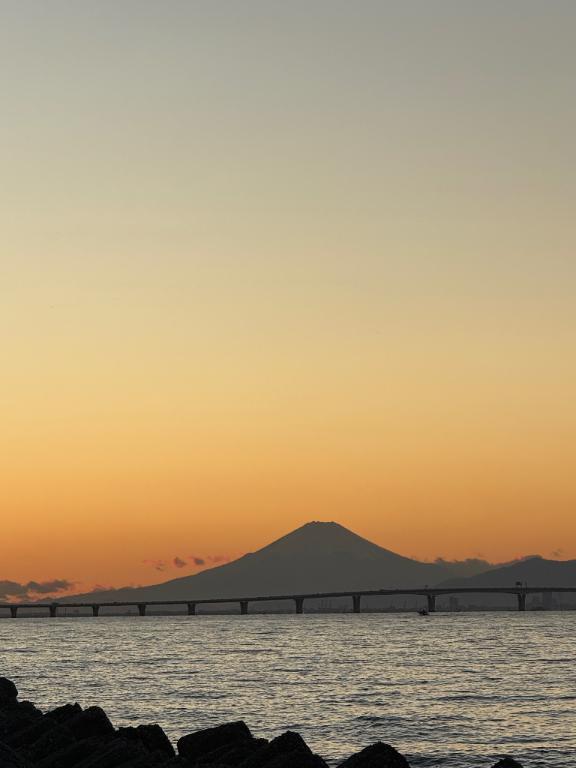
(266,262)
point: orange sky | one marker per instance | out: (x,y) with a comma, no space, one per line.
(241,289)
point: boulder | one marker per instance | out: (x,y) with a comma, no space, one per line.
(378,755)
(507,762)
(24,737)
(200,743)
(289,750)
(53,740)
(64,713)
(233,754)
(152,738)
(90,722)
(8,692)
(115,753)
(9,758)
(73,755)
(17,716)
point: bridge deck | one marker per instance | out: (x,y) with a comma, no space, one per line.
(431,593)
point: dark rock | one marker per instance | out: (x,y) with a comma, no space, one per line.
(378,755)
(52,741)
(113,754)
(233,754)
(195,745)
(8,692)
(9,758)
(286,751)
(152,738)
(507,762)
(72,755)
(90,722)
(17,716)
(24,737)
(64,713)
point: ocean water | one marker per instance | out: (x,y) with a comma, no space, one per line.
(455,690)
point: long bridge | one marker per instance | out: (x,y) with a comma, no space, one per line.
(521,592)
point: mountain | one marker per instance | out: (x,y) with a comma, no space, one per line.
(533,571)
(318,557)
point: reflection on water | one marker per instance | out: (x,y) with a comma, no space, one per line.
(451,689)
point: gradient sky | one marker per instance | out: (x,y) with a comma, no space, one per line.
(264,262)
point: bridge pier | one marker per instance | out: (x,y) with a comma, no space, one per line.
(431,603)
(142,609)
(13,611)
(521,600)
(243,607)
(299,604)
(191,609)
(356,603)
(95,610)
(53,609)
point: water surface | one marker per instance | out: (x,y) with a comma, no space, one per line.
(455,690)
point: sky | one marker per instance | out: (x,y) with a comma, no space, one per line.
(264,262)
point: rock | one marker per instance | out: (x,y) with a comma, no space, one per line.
(152,738)
(8,692)
(17,716)
(74,754)
(90,722)
(507,762)
(196,745)
(51,741)
(115,753)
(64,713)
(286,751)
(378,755)
(24,737)
(9,758)
(233,754)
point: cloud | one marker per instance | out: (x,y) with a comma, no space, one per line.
(179,563)
(29,590)
(158,565)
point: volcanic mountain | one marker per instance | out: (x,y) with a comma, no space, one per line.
(318,557)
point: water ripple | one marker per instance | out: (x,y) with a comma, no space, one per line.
(457,691)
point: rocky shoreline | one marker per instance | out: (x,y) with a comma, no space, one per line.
(72,737)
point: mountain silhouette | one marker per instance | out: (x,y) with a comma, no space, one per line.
(318,557)
(533,571)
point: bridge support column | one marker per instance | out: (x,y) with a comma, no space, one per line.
(521,601)
(356,603)
(53,609)
(95,610)
(299,604)
(14,611)
(244,607)
(142,609)
(431,603)
(191,609)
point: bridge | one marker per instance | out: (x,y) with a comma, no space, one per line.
(431,594)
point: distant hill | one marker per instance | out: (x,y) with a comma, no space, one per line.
(318,557)
(534,571)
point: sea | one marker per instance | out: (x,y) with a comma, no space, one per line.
(457,690)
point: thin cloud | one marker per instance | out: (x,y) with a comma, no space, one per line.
(13,589)
(179,563)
